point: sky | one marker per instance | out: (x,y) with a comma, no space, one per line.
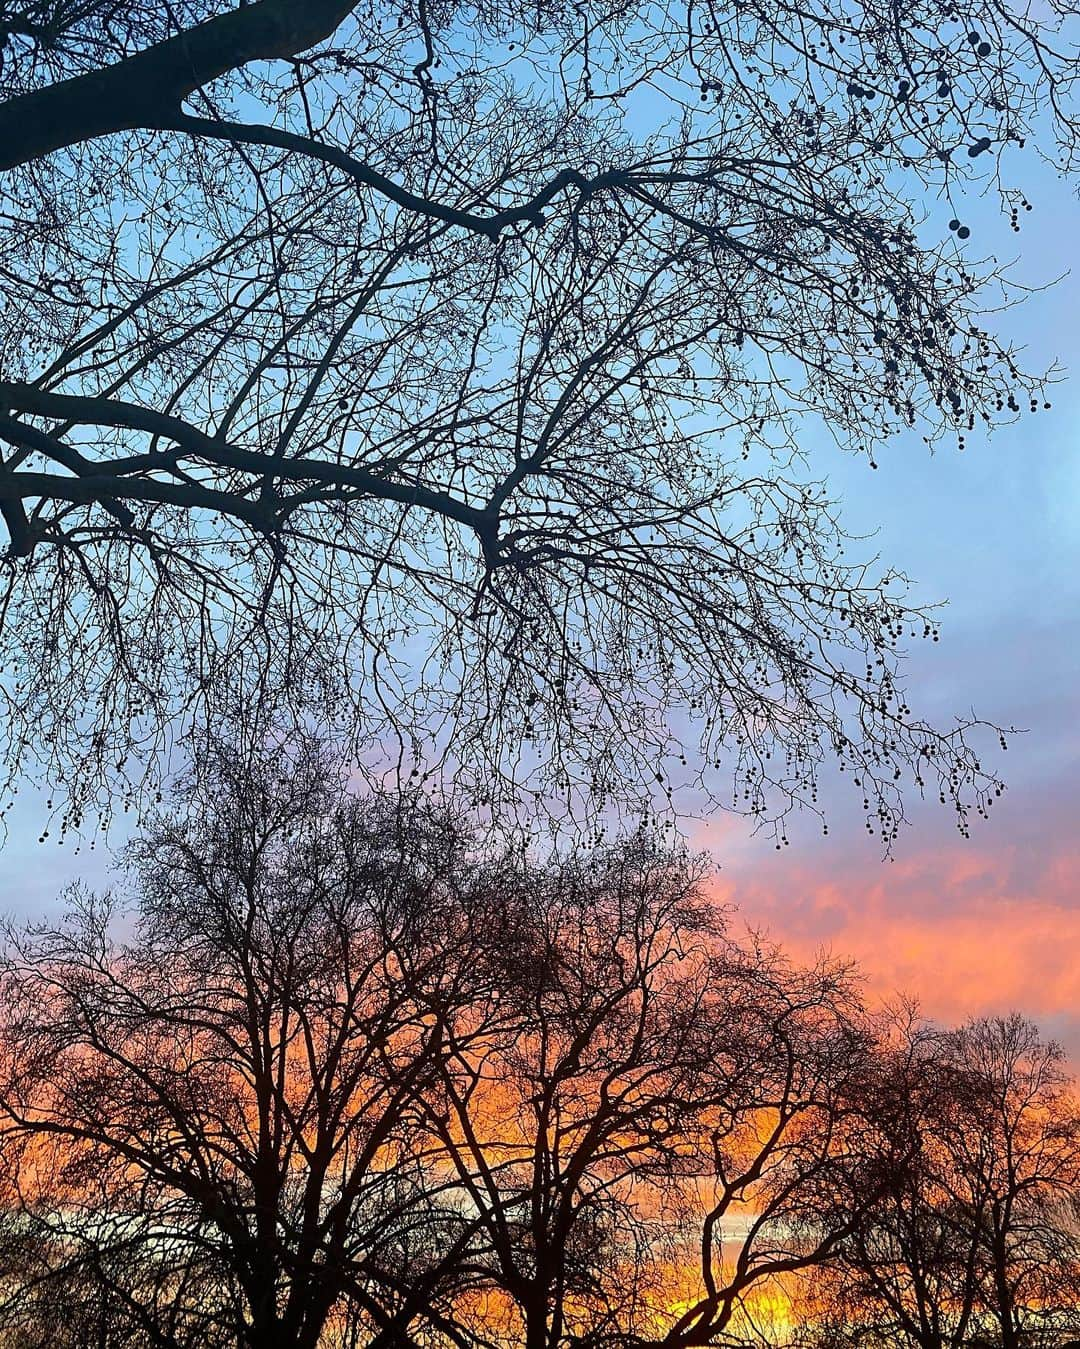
(990,923)
(969,926)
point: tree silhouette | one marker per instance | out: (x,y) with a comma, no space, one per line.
(649,1153)
(350,1073)
(220,1107)
(977,1242)
(451,371)
(1017,1146)
(352,1079)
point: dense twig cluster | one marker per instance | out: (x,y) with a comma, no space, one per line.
(352,1080)
(451,371)
(978,1243)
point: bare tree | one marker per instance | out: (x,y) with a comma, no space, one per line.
(976,1242)
(353,1079)
(451,369)
(208,1126)
(1017,1146)
(660,1143)
(908,1271)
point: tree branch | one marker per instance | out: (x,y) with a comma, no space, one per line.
(121,473)
(529,212)
(145,88)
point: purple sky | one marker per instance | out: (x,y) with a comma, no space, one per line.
(993,922)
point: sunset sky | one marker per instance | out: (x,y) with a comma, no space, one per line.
(992,922)
(984,924)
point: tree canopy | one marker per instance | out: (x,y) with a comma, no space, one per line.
(455,372)
(347,1066)
(343,1071)
(978,1243)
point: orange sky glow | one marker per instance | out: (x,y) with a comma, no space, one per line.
(968,927)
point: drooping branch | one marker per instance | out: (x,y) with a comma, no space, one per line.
(357,305)
(529,212)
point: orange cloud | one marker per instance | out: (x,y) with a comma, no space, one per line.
(966,929)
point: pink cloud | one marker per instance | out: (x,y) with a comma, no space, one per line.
(968,928)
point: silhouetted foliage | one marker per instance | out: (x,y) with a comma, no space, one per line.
(649,1150)
(345,1074)
(451,368)
(224,1105)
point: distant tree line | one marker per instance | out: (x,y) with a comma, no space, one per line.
(345,1073)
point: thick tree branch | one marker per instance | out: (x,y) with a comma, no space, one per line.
(103,488)
(18,526)
(147,87)
(121,473)
(529,212)
(29,437)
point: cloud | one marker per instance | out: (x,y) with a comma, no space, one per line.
(987,925)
